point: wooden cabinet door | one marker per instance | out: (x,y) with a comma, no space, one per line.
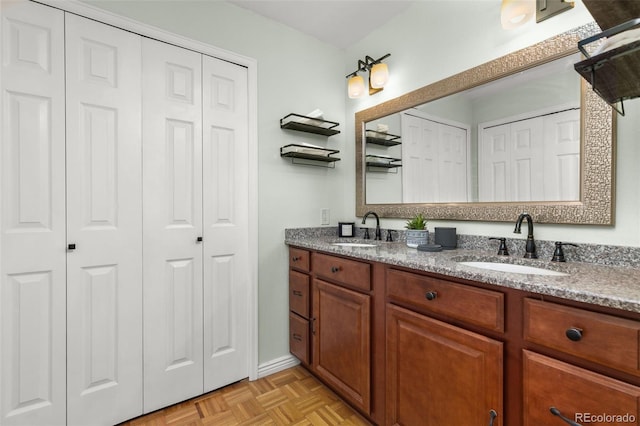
(342,341)
(553,388)
(439,374)
(299,338)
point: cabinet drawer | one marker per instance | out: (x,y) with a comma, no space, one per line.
(299,293)
(601,338)
(576,393)
(299,259)
(299,337)
(473,305)
(349,272)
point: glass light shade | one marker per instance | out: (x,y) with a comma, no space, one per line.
(515,13)
(379,75)
(356,86)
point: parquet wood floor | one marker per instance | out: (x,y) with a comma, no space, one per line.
(289,397)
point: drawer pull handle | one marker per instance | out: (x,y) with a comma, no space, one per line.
(492,416)
(431,295)
(557,412)
(335,269)
(297,337)
(574,334)
(297,293)
(296,258)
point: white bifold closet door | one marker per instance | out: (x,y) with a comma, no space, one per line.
(172,111)
(196,187)
(32,216)
(104,221)
(226,222)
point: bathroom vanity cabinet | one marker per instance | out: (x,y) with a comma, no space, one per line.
(606,340)
(336,340)
(439,373)
(299,309)
(407,347)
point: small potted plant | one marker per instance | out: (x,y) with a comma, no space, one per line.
(417,231)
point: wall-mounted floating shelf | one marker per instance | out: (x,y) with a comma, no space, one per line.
(306,124)
(382,163)
(309,155)
(381,138)
(613,74)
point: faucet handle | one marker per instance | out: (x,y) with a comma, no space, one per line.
(502,250)
(390,234)
(558,253)
(366,234)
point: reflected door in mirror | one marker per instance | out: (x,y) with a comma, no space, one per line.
(530,159)
(435,159)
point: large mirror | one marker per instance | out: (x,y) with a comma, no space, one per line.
(521,133)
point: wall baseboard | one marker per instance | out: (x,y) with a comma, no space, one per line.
(275,365)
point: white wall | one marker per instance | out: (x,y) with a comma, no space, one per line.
(435,39)
(431,40)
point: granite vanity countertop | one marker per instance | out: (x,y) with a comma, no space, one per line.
(611,286)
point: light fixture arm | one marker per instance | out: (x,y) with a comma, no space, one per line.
(367,64)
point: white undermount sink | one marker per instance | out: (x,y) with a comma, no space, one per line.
(354,245)
(512,268)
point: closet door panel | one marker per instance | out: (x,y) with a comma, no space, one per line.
(172,152)
(562,155)
(494,164)
(32,221)
(226,186)
(104,219)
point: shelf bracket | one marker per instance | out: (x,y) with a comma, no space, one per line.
(613,105)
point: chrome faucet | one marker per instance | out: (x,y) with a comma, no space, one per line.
(530,250)
(378,232)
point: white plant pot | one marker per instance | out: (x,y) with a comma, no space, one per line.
(415,237)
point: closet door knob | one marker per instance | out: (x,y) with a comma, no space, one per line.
(71,247)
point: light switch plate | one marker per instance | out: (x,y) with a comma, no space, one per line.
(325,216)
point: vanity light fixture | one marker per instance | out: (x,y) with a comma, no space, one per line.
(546,9)
(515,13)
(378,76)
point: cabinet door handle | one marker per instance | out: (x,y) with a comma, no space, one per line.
(335,269)
(71,247)
(199,240)
(574,334)
(557,412)
(492,416)
(313,326)
(297,293)
(431,295)
(297,337)
(295,258)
